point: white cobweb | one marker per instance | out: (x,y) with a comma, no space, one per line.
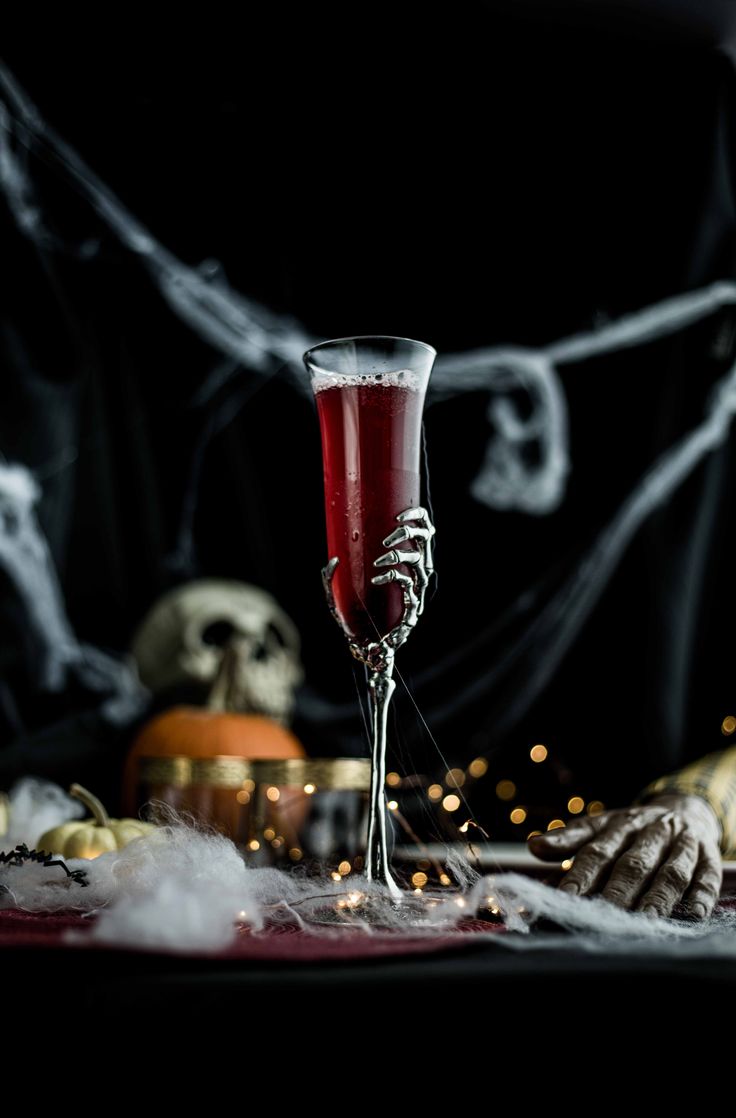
(189,865)
(246,333)
(187,888)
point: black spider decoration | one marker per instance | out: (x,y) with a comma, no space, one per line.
(22,854)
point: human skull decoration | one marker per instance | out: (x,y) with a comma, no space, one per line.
(183,638)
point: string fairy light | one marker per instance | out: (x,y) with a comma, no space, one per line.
(505,789)
(455,778)
(472,823)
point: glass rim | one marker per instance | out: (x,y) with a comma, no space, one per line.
(365,338)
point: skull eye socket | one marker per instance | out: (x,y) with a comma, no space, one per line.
(274,636)
(10,520)
(218,633)
(273,640)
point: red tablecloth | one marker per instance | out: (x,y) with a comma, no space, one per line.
(283,943)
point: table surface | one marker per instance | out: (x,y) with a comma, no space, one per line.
(480,963)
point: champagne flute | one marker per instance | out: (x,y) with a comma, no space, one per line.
(370,394)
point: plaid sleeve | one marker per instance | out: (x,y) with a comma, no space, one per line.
(714,778)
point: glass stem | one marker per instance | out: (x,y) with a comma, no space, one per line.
(381,687)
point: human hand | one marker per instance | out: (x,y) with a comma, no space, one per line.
(648,857)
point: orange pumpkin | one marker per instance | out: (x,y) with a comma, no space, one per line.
(204,733)
(200,733)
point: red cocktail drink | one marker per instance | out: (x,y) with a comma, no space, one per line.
(371,441)
(370,396)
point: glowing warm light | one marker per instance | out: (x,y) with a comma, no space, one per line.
(249,785)
(575,804)
(419,879)
(532,834)
(393,779)
(460,902)
(242,915)
(269,833)
(355,898)
(310,789)
(242,797)
(392,805)
(478,767)
(505,789)
(595,807)
(728,725)
(273,794)
(335,876)
(518,815)
(464,828)
(435,792)
(451,802)
(566,864)
(254,844)
(344,868)
(444,879)
(295,853)
(455,778)
(538,753)
(555,824)
(277,842)
(417,892)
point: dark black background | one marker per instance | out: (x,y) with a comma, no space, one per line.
(487,174)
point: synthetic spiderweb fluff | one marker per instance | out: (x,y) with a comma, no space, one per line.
(185,888)
(525,466)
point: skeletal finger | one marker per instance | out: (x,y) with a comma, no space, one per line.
(641,861)
(396,556)
(421,578)
(329,569)
(411,602)
(673,878)
(425,569)
(417,513)
(400,535)
(327,573)
(702,896)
